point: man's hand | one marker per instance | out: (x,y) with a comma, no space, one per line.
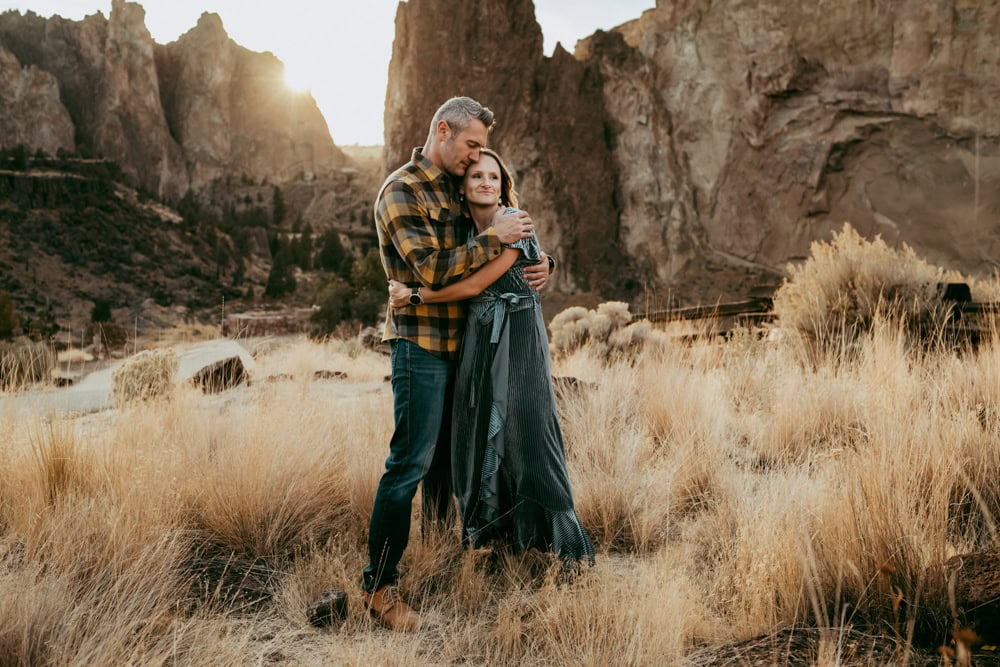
(537,275)
(512,226)
(399,294)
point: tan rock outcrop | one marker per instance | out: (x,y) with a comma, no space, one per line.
(31,113)
(706,144)
(174,117)
(233,114)
(108,84)
(132,129)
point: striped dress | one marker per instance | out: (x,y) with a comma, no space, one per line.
(508,463)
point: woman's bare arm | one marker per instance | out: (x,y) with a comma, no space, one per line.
(466,288)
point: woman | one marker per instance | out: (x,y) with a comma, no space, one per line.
(508,464)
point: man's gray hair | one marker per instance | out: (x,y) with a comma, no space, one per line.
(458,112)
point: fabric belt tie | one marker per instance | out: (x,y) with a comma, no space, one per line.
(494,308)
(497,307)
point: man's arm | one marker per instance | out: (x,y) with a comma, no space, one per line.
(403,217)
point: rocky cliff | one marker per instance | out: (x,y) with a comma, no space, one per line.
(174,117)
(495,55)
(698,149)
(32,113)
(231,112)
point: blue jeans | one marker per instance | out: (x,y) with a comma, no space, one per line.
(422,386)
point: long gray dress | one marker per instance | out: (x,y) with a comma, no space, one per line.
(508,463)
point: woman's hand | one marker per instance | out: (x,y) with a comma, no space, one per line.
(399,294)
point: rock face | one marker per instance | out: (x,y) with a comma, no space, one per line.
(32,113)
(697,150)
(108,84)
(551,122)
(231,112)
(174,117)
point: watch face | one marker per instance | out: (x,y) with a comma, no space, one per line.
(415,299)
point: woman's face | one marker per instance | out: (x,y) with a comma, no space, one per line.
(482,182)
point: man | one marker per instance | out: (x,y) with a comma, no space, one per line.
(424,240)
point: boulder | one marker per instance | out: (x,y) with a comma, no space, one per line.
(329,609)
(221,375)
(975,580)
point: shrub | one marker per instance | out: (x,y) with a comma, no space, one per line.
(24,362)
(367,273)
(334,304)
(630,338)
(112,336)
(836,293)
(101,312)
(576,326)
(281,280)
(144,376)
(368,305)
(332,255)
(569,328)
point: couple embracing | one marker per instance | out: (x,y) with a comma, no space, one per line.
(473,402)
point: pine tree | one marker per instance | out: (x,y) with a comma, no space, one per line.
(277,207)
(10,323)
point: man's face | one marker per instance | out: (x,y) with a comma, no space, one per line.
(460,150)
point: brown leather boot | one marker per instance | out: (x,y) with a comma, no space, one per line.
(388,607)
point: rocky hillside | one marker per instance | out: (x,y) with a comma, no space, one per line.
(175,117)
(72,235)
(700,148)
(159,178)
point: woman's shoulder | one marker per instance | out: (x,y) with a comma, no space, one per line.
(529,247)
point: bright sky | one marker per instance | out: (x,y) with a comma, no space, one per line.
(338,49)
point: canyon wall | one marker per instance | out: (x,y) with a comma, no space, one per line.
(698,149)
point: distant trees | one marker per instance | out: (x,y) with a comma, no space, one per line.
(15,157)
(281,279)
(229,236)
(332,256)
(360,297)
(301,247)
(10,323)
(101,312)
(277,207)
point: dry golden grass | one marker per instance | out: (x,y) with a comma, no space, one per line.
(146,375)
(847,284)
(24,362)
(733,489)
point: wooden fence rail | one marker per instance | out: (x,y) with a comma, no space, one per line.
(969,319)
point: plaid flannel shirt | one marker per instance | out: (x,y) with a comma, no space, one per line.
(424,240)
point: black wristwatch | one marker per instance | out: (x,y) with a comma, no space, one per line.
(415,298)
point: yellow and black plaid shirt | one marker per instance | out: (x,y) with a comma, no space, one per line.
(424,240)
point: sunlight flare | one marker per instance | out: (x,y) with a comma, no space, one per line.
(297,80)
